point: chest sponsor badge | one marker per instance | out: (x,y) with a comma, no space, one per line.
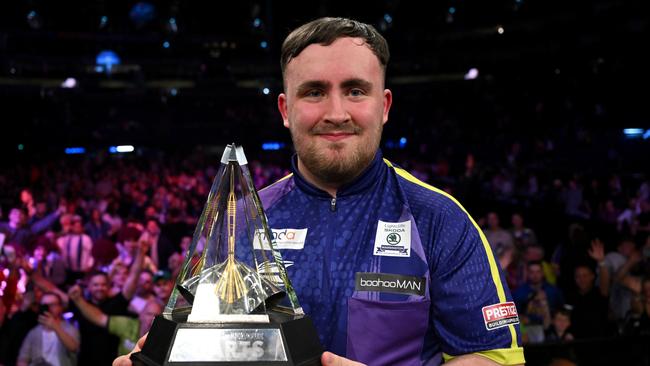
(386,282)
(284,239)
(500,315)
(393,239)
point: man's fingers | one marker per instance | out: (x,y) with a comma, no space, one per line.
(330,359)
(126,360)
(140,343)
(123,361)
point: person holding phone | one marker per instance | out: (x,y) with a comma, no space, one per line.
(53,341)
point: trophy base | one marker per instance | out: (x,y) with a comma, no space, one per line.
(285,341)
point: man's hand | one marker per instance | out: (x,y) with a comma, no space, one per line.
(48,321)
(75,293)
(126,360)
(330,359)
(597,251)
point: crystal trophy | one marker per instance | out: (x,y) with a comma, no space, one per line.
(232,302)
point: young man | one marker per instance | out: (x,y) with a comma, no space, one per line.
(361,224)
(53,341)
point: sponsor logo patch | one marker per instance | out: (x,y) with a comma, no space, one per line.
(386,282)
(500,315)
(284,239)
(393,239)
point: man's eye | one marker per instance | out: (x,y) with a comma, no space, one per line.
(314,93)
(357,92)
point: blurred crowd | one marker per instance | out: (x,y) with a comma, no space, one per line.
(91,247)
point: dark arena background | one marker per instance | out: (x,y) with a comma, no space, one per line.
(534,114)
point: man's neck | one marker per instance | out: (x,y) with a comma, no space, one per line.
(328,187)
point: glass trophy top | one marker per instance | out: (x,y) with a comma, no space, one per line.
(232,272)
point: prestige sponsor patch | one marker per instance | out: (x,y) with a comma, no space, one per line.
(500,315)
(386,282)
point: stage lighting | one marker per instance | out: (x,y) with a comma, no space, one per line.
(471,74)
(166,44)
(103,22)
(633,132)
(69,83)
(75,150)
(21,147)
(264,44)
(500,30)
(257,22)
(142,13)
(172,26)
(106,60)
(34,20)
(266,91)
(121,149)
(272,145)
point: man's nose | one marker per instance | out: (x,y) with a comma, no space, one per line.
(336,111)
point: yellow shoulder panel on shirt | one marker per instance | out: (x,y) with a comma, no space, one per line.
(280,180)
(502,356)
(494,270)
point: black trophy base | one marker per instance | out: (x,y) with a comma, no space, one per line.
(294,339)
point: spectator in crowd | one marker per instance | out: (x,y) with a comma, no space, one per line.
(537,299)
(637,321)
(18,325)
(589,317)
(163,285)
(143,292)
(523,236)
(48,262)
(17,231)
(118,274)
(495,234)
(96,227)
(98,347)
(76,249)
(128,329)
(560,329)
(161,247)
(128,249)
(54,341)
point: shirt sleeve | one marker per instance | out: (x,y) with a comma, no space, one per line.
(123,326)
(472,309)
(25,353)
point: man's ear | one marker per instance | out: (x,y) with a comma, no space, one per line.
(282,107)
(388,101)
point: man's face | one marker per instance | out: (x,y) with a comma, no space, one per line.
(535,274)
(147,315)
(152,228)
(16,217)
(145,284)
(584,278)
(98,287)
(493,220)
(54,304)
(163,289)
(335,106)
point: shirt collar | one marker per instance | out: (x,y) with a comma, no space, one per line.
(367,179)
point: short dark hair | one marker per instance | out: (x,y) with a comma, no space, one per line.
(325,31)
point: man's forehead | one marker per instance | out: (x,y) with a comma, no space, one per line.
(344,55)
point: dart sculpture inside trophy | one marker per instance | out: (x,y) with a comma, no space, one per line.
(232,303)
